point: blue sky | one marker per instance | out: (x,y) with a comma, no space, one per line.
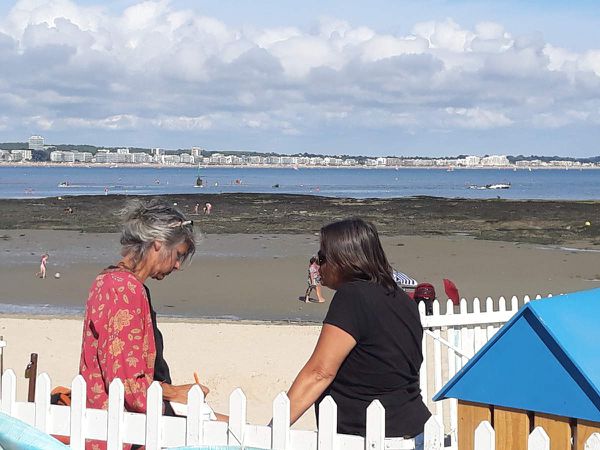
(383,78)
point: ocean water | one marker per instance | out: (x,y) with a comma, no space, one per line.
(27,182)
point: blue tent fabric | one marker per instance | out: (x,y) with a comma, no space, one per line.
(17,435)
(544,359)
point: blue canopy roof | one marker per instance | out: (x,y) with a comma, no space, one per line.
(544,359)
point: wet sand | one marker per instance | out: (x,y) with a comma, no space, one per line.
(261,277)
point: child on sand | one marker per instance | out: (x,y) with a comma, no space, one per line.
(314,281)
(43,262)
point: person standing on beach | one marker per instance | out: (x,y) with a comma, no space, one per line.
(196,208)
(207,208)
(121,338)
(43,263)
(370,344)
(314,281)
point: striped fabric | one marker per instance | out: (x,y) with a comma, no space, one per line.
(404,280)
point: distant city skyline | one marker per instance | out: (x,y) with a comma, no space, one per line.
(411,78)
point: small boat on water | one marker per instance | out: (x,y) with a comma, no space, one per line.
(498,186)
(490,186)
(64,184)
(199,182)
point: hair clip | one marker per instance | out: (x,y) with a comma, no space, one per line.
(181,223)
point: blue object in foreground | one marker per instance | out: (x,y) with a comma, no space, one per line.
(17,435)
(545,359)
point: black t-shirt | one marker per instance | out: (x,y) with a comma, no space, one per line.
(385,362)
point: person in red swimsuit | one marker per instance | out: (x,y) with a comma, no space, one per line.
(120,335)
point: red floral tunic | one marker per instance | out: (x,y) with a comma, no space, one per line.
(118,342)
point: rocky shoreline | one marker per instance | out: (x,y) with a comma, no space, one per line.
(532,221)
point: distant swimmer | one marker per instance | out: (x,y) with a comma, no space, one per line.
(43,262)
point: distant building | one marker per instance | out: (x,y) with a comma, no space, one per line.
(84,157)
(59,156)
(21,155)
(5,156)
(141,158)
(36,143)
(196,151)
(494,160)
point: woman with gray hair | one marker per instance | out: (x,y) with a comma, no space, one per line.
(120,335)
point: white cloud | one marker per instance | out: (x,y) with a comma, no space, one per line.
(154,66)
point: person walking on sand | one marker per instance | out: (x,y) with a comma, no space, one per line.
(207,208)
(314,281)
(43,262)
(196,208)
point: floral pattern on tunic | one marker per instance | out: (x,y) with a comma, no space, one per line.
(118,342)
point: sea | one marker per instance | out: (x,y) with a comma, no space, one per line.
(53,181)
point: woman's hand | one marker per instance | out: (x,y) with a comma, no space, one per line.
(179,393)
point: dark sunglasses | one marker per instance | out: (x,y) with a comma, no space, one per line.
(320,258)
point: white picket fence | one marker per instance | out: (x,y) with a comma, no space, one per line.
(450,340)
(485,439)
(155,431)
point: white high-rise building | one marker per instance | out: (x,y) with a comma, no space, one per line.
(196,151)
(36,143)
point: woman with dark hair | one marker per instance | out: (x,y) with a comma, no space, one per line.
(370,344)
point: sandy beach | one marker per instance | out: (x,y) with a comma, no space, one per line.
(234,313)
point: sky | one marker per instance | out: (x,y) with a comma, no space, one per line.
(384,77)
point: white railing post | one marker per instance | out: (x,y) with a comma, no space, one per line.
(237,417)
(526,299)
(375,436)
(433,434)
(78,415)
(593,442)
(538,440)
(502,304)
(42,402)
(485,437)
(9,392)
(281,422)
(437,359)
(425,365)
(116,415)
(514,304)
(154,406)
(327,433)
(195,417)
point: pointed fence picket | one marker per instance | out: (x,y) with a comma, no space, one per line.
(485,439)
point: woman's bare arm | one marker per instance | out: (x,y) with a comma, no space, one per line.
(332,348)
